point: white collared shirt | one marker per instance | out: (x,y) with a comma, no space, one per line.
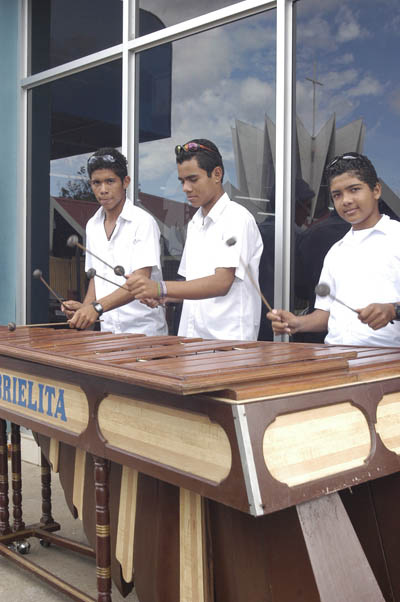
(362,268)
(235,315)
(134,244)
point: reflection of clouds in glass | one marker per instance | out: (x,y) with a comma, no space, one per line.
(336,80)
(367,86)
(349,28)
(394,101)
(218,76)
(344,59)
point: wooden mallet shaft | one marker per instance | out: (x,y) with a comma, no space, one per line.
(91,273)
(12,326)
(74,242)
(232,241)
(39,276)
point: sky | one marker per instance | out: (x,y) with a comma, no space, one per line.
(228,73)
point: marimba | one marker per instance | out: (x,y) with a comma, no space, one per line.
(208,471)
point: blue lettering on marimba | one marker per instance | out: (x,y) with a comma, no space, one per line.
(46,398)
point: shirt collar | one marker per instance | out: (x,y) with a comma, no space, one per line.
(126,213)
(215,213)
(381,226)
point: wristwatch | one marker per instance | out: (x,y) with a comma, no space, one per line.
(98,307)
(397,310)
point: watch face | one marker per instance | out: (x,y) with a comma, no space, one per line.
(397,310)
(98,307)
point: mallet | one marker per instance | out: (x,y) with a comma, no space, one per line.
(38,275)
(91,273)
(74,242)
(323,290)
(231,242)
(12,325)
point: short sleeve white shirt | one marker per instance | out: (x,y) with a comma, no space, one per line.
(362,268)
(134,244)
(235,315)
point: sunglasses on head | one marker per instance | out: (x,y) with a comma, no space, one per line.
(346,156)
(191,147)
(105,158)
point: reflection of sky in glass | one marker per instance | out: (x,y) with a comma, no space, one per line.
(218,76)
(355,44)
(228,73)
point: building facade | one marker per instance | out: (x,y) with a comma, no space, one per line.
(280,86)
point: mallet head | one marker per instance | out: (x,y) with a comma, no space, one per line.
(91,273)
(12,326)
(72,241)
(322,289)
(119,270)
(37,274)
(231,241)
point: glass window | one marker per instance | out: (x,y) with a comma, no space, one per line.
(220,86)
(157,14)
(348,99)
(71,118)
(64,31)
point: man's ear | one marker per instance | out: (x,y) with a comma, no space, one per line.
(217,174)
(126,181)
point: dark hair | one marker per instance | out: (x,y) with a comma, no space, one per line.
(206,159)
(101,160)
(360,165)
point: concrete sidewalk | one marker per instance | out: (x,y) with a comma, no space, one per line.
(16,584)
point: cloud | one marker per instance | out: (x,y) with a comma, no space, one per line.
(367,86)
(344,59)
(394,101)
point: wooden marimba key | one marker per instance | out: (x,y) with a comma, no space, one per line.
(222,450)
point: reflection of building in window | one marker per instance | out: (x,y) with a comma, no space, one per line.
(254,151)
(255,162)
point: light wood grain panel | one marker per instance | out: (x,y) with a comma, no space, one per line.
(52,402)
(126,522)
(54,454)
(184,440)
(311,444)
(191,547)
(388,421)
(79,480)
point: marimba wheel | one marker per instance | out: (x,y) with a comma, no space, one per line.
(23,547)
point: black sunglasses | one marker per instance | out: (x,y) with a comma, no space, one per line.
(345,157)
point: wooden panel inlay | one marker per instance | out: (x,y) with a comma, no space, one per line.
(54,454)
(52,402)
(126,522)
(311,444)
(388,421)
(79,480)
(181,439)
(191,543)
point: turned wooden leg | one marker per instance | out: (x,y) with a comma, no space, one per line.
(103,553)
(46,518)
(16,477)
(4,510)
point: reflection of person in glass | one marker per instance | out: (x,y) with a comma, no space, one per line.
(362,269)
(220,300)
(303,197)
(121,234)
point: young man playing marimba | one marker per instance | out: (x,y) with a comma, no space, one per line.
(361,271)
(120,234)
(220,300)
